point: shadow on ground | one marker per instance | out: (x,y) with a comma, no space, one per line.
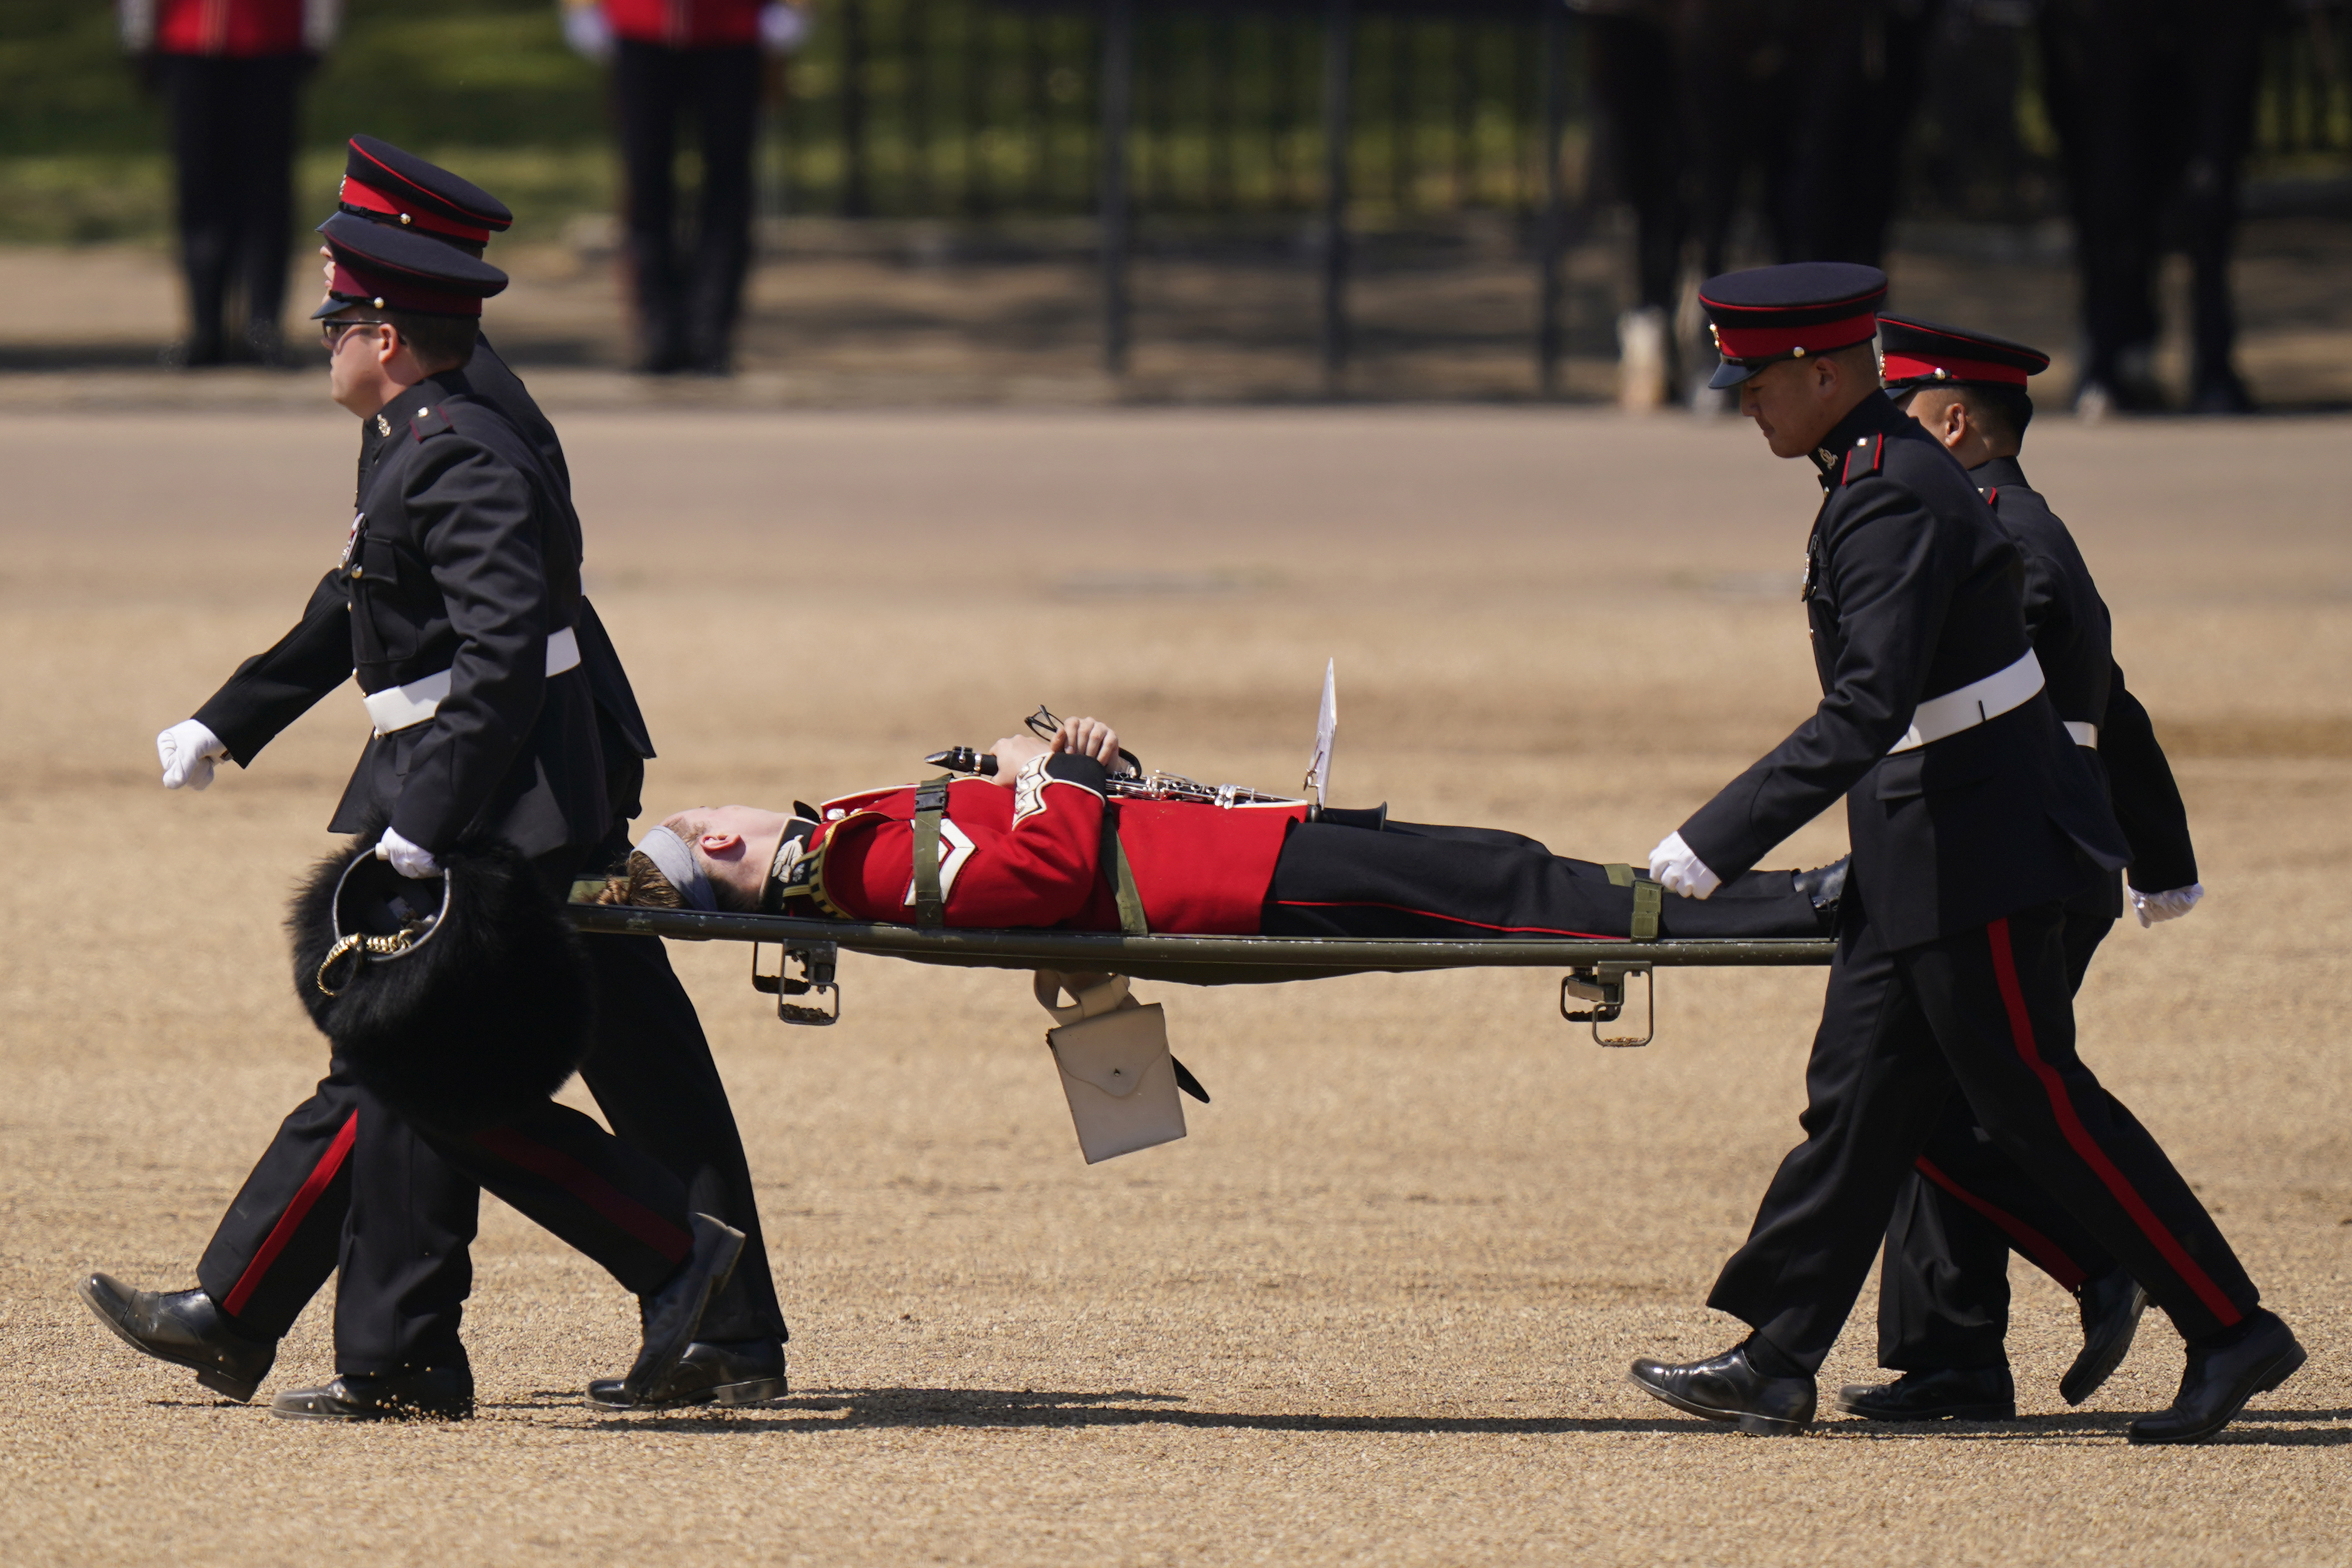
(842,1409)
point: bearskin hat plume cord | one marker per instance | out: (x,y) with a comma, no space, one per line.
(465,999)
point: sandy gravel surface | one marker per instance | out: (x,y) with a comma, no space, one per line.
(1378,1306)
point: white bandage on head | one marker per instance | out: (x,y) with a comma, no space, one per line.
(673,858)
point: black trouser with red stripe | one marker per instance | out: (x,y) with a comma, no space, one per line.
(1943,1281)
(653,1076)
(396,1207)
(1421,879)
(1986,1014)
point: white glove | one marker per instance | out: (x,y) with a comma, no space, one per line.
(187,751)
(1674,864)
(409,860)
(2170,904)
(782,28)
(586,31)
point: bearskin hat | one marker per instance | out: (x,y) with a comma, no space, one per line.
(474,999)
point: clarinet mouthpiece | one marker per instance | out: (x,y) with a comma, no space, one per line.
(963,759)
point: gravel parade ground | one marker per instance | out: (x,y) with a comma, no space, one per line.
(1378,1306)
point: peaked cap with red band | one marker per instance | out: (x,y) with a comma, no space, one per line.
(386,185)
(385,269)
(1767,314)
(1923,353)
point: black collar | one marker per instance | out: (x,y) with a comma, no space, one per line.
(1998,473)
(1876,412)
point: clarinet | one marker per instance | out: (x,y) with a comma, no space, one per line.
(1134,785)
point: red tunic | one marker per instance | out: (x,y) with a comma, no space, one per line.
(240,28)
(685,23)
(1032,856)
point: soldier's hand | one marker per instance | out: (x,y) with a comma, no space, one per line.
(2170,904)
(1678,867)
(1013,753)
(409,860)
(187,751)
(1089,738)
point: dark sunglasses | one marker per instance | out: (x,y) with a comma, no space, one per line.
(331,333)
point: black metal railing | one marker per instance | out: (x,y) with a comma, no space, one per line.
(1356,111)
(982,107)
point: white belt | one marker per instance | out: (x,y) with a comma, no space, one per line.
(1974,704)
(2084,734)
(396,708)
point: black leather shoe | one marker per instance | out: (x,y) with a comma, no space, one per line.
(1729,1389)
(1954,1394)
(186,1328)
(734,1374)
(425,1394)
(2111,1306)
(1825,885)
(673,1313)
(2216,1384)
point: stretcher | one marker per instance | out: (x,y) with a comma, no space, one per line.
(1594,989)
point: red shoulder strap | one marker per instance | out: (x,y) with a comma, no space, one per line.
(1864,457)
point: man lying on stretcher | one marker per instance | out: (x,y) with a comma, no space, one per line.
(1027,848)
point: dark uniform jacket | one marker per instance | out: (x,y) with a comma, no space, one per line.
(2072,636)
(624,727)
(463,557)
(1913,590)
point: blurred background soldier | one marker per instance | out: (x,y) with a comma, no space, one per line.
(230,71)
(1629,48)
(673,60)
(1694,101)
(2153,102)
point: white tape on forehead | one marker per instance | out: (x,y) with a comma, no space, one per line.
(675,859)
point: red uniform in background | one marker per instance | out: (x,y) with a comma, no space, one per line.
(231,71)
(1032,855)
(676,61)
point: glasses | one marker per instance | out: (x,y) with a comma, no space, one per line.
(331,333)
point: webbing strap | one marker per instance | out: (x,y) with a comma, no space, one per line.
(1649,901)
(931,806)
(1121,875)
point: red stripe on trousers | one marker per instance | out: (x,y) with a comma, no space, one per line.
(2030,1241)
(338,1150)
(2020,1029)
(590,1188)
(1433,915)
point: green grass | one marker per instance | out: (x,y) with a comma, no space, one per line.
(126,198)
